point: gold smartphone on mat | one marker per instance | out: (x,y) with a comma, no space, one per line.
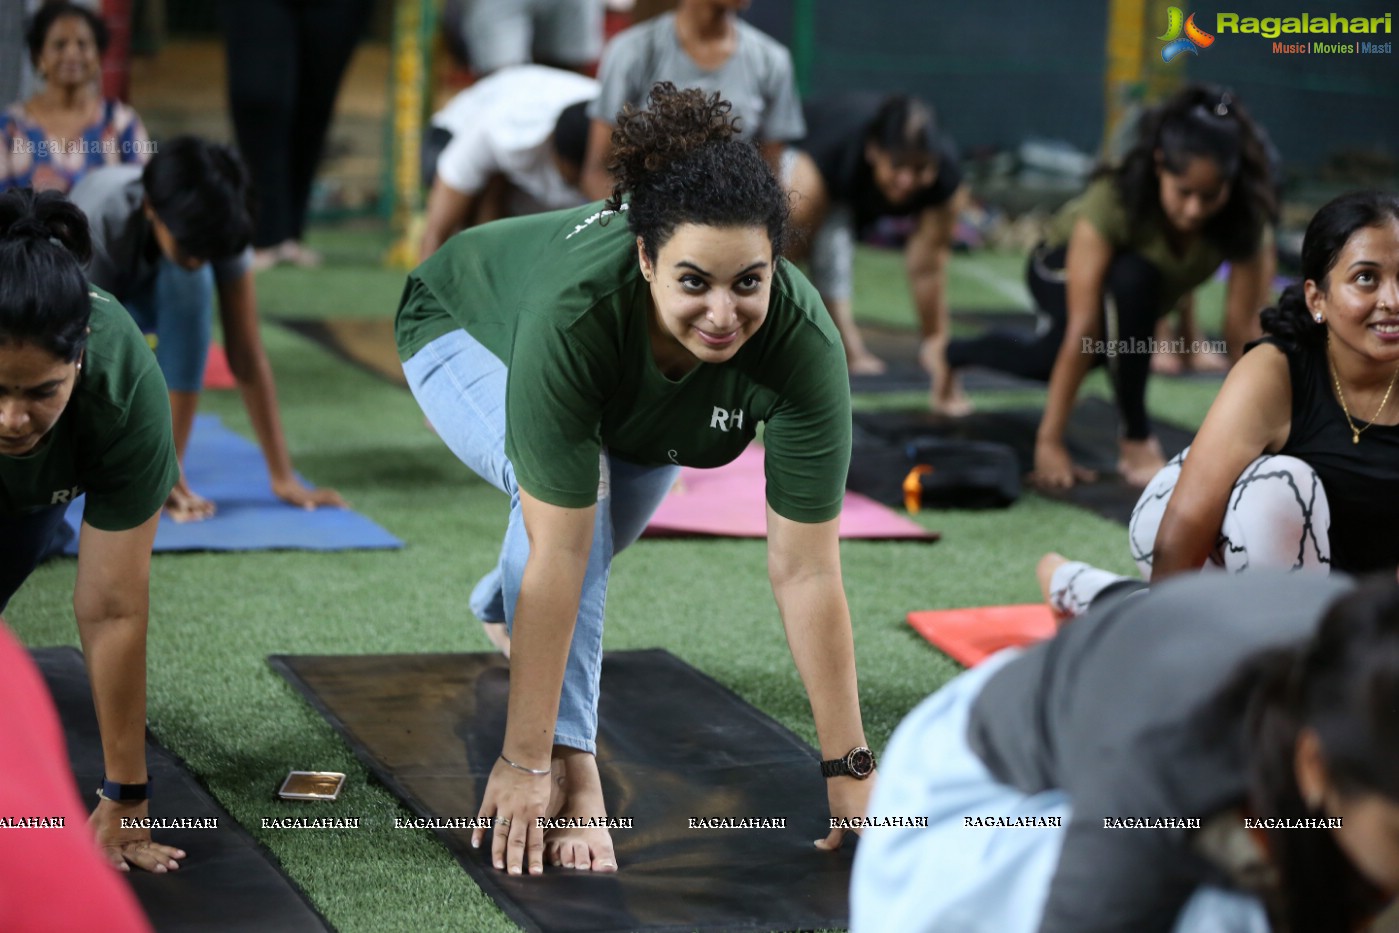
(312,785)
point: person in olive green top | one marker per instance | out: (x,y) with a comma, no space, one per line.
(83,409)
(1194,192)
(576,360)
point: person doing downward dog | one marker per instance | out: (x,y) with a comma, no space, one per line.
(867,157)
(1219,754)
(167,239)
(1193,192)
(576,360)
(1297,463)
(83,409)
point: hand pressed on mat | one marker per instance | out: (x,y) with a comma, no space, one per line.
(515,799)
(293,492)
(1055,469)
(124,847)
(186,505)
(849,799)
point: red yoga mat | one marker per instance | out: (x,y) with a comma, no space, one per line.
(729,502)
(972,635)
(217,375)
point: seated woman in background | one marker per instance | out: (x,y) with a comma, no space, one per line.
(1297,462)
(1216,755)
(83,410)
(866,157)
(1194,192)
(67,129)
(702,44)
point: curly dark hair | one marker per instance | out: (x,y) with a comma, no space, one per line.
(1209,122)
(53,11)
(1327,234)
(680,161)
(44,241)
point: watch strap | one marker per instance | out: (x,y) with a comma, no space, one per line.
(124,793)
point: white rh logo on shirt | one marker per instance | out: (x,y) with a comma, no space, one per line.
(723,419)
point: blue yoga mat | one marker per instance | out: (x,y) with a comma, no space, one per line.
(229,469)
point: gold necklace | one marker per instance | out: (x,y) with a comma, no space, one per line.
(1354,431)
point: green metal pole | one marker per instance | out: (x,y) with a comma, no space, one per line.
(803,43)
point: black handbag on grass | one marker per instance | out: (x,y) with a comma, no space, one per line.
(934,472)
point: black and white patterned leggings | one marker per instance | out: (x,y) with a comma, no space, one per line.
(1277,517)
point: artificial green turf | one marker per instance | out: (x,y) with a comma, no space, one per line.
(215,617)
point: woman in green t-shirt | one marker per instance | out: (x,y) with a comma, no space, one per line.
(576,360)
(1194,192)
(83,410)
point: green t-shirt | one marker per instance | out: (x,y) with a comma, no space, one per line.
(560,300)
(114,441)
(1101,205)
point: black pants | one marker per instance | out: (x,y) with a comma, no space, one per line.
(285,62)
(1131,294)
(25,541)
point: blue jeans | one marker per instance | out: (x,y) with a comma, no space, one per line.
(460,386)
(177,305)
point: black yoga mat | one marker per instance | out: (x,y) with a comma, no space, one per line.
(227,882)
(1091,439)
(673,745)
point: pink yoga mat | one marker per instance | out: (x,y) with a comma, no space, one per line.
(728,502)
(972,635)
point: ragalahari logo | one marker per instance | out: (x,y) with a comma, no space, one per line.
(1194,38)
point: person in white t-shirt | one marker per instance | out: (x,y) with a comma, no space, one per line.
(510,144)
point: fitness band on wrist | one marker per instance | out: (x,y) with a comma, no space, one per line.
(124,793)
(517,767)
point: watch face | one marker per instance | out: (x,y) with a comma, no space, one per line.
(861,761)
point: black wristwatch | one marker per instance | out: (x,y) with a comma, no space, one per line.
(857,763)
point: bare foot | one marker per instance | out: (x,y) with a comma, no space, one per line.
(264,259)
(499,637)
(294,253)
(1209,362)
(1167,363)
(864,363)
(947,398)
(582,848)
(1139,461)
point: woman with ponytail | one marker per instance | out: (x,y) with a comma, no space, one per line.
(576,360)
(1219,754)
(1194,192)
(83,410)
(1297,463)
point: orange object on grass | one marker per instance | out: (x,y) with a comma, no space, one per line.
(972,635)
(913,488)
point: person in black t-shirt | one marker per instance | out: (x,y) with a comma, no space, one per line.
(1297,463)
(866,158)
